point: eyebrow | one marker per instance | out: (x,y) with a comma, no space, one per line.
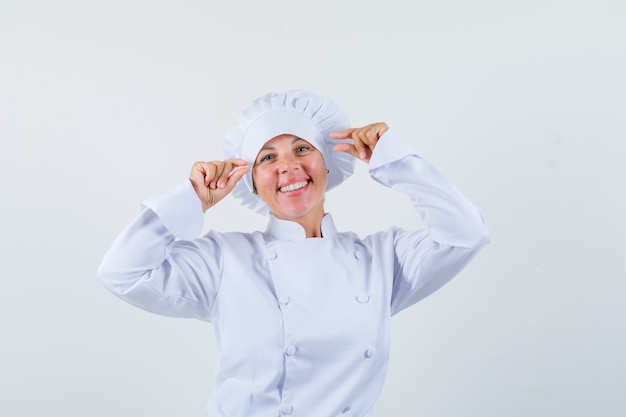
(295,139)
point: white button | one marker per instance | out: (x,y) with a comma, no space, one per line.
(370,352)
(363,298)
(358,254)
(284,300)
(290,350)
(272,254)
(286,409)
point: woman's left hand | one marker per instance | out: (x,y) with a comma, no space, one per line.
(364,140)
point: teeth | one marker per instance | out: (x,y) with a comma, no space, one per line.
(293,187)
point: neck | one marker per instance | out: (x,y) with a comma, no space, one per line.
(310,222)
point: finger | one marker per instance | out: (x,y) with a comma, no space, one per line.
(376,130)
(344,134)
(367,136)
(210,170)
(371,136)
(371,133)
(198,181)
(235,177)
(215,196)
(237,161)
(221,174)
(347,148)
(232,165)
(381,128)
(358,144)
(351,149)
(196,176)
(198,172)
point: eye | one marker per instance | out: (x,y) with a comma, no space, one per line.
(266,157)
(302,148)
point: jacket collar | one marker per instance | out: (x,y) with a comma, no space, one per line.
(278,229)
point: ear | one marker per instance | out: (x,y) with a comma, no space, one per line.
(253,184)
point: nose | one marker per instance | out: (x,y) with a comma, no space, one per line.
(288,163)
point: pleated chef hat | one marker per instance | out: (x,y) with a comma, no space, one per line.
(294,112)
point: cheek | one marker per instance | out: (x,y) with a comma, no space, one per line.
(320,166)
(259,178)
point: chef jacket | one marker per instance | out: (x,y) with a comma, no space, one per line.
(302,325)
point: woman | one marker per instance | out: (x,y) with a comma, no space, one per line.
(301,312)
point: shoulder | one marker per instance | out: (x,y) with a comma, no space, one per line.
(373,239)
(234,237)
(395,236)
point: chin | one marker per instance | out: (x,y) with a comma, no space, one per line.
(290,214)
(295,212)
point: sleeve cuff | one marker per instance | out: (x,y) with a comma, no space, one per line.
(391,147)
(180,210)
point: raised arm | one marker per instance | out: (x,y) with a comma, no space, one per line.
(158,263)
(455,228)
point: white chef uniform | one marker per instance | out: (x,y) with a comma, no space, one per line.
(302,325)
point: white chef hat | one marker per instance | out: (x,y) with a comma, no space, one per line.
(295,112)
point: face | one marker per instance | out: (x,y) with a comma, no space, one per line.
(290,176)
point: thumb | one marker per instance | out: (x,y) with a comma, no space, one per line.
(347,148)
(235,177)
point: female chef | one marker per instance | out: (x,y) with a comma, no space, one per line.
(301,312)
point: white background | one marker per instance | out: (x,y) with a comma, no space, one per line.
(521,103)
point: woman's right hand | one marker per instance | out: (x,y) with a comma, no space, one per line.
(214,180)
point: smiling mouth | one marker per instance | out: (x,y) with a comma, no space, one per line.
(293,187)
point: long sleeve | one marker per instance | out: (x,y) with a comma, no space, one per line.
(150,265)
(455,228)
